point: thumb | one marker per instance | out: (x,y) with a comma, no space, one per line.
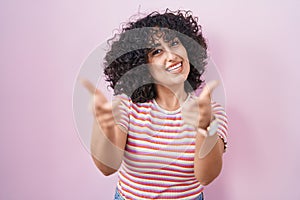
(209,88)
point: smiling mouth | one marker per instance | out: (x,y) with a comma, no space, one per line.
(176,68)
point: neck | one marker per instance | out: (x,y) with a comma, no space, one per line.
(170,98)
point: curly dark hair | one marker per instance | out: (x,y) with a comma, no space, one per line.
(129,51)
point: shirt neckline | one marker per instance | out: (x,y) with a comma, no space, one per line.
(171,111)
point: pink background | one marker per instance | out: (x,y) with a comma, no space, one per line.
(43,43)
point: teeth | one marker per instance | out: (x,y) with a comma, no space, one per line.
(174,67)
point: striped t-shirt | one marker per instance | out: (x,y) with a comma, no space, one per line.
(159,155)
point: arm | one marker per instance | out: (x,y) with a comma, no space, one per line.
(108,141)
(107,148)
(208,152)
(209,148)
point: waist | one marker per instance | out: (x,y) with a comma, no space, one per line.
(121,194)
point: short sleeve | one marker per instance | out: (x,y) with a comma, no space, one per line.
(121,111)
(221,117)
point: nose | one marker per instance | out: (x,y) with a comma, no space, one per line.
(170,56)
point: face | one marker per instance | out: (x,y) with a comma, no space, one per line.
(169,64)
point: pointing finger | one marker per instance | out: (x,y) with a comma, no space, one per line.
(93,90)
(89,86)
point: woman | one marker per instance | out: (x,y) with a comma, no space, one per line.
(166,142)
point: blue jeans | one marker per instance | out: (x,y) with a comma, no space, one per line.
(119,197)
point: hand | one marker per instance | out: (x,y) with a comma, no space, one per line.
(198,112)
(204,102)
(102,109)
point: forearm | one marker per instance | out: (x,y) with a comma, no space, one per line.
(108,140)
(208,167)
(210,147)
(106,151)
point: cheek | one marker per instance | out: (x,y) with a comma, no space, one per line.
(154,71)
(156,66)
(157,73)
(151,71)
(182,53)
(185,55)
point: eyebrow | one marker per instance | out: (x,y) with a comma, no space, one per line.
(155,45)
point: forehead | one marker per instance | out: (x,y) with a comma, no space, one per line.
(161,35)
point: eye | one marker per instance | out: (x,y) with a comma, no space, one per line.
(156,51)
(174,42)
